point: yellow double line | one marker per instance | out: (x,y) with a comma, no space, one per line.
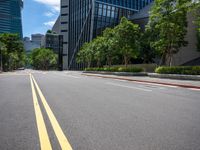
(43,134)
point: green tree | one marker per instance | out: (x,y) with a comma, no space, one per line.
(109,45)
(198,41)
(86,54)
(127,36)
(168,18)
(197,11)
(13,54)
(147,53)
(49,31)
(99,48)
(2,51)
(44,59)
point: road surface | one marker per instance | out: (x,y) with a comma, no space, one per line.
(67,110)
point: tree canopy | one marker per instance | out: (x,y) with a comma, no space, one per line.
(197,11)
(43,59)
(127,39)
(12,50)
(121,41)
(168,19)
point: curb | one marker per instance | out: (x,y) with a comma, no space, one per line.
(118,73)
(152,75)
(142,81)
(175,76)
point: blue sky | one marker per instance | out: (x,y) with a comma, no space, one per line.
(39,15)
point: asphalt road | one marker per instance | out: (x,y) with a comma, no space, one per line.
(72,111)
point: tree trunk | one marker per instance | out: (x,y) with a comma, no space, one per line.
(126,61)
(98,63)
(170,60)
(163,60)
(89,64)
(109,62)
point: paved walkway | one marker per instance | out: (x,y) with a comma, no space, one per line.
(150,79)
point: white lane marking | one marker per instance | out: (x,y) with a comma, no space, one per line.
(130,87)
(67,75)
(172,86)
(162,88)
(193,89)
(73,76)
(151,86)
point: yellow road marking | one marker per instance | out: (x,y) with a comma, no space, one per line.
(43,135)
(64,143)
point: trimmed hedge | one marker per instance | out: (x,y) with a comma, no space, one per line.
(185,70)
(117,69)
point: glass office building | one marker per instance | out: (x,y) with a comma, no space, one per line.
(10,16)
(88,18)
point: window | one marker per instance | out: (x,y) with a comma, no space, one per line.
(64,6)
(64,14)
(64,22)
(64,30)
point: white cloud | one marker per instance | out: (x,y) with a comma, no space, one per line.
(54,4)
(54,8)
(49,14)
(50,23)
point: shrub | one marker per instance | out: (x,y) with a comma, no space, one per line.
(130,69)
(116,69)
(187,70)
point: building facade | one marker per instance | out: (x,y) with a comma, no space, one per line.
(10,16)
(83,20)
(30,45)
(56,26)
(37,38)
(55,42)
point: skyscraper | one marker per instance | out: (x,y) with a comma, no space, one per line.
(83,20)
(10,16)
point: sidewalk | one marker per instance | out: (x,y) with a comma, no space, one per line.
(170,82)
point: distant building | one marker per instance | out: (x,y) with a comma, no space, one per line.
(27,39)
(29,45)
(37,38)
(55,42)
(10,16)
